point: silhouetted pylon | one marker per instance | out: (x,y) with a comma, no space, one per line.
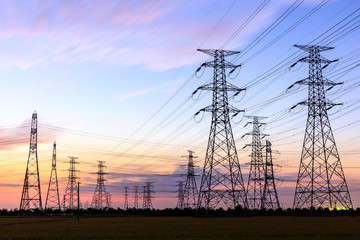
(190,189)
(31,194)
(100,199)
(52,197)
(221,178)
(321,179)
(147,195)
(126,203)
(71,191)
(180,203)
(270,198)
(108,199)
(257,171)
(136,197)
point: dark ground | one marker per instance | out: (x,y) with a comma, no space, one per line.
(180,228)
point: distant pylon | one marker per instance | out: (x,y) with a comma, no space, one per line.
(147,196)
(321,180)
(52,197)
(257,171)
(180,203)
(108,199)
(221,177)
(100,199)
(31,194)
(190,190)
(136,197)
(270,198)
(64,201)
(126,203)
(71,192)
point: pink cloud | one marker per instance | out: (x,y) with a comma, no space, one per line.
(166,87)
(13,137)
(159,35)
(151,8)
(135,94)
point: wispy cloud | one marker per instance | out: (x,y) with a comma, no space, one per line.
(134,94)
(166,87)
(156,34)
(10,185)
(14,136)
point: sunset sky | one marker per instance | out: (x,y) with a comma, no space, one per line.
(112,81)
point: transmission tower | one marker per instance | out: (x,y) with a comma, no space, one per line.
(100,199)
(31,194)
(221,178)
(126,203)
(147,196)
(257,171)
(270,198)
(180,203)
(321,180)
(71,192)
(52,197)
(108,199)
(136,197)
(64,201)
(190,190)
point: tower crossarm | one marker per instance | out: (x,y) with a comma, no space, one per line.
(253,145)
(228,87)
(259,124)
(327,104)
(224,64)
(231,109)
(330,83)
(307,81)
(212,52)
(320,60)
(308,48)
(219,64)
(310,59)
(262,135)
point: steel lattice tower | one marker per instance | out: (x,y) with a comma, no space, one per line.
(256,178)
(52,197)
(64,201)
(126,203)
(147,196)
(31,194)
(136,197)
(71,192)
(181,200)
(270,198)
(221,178)
(190,190)
(108,199)
(321,180)
(100,199)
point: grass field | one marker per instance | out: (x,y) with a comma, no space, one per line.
(181,228)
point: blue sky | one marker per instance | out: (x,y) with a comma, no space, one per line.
(124,69)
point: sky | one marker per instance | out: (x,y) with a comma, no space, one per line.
(113,81)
